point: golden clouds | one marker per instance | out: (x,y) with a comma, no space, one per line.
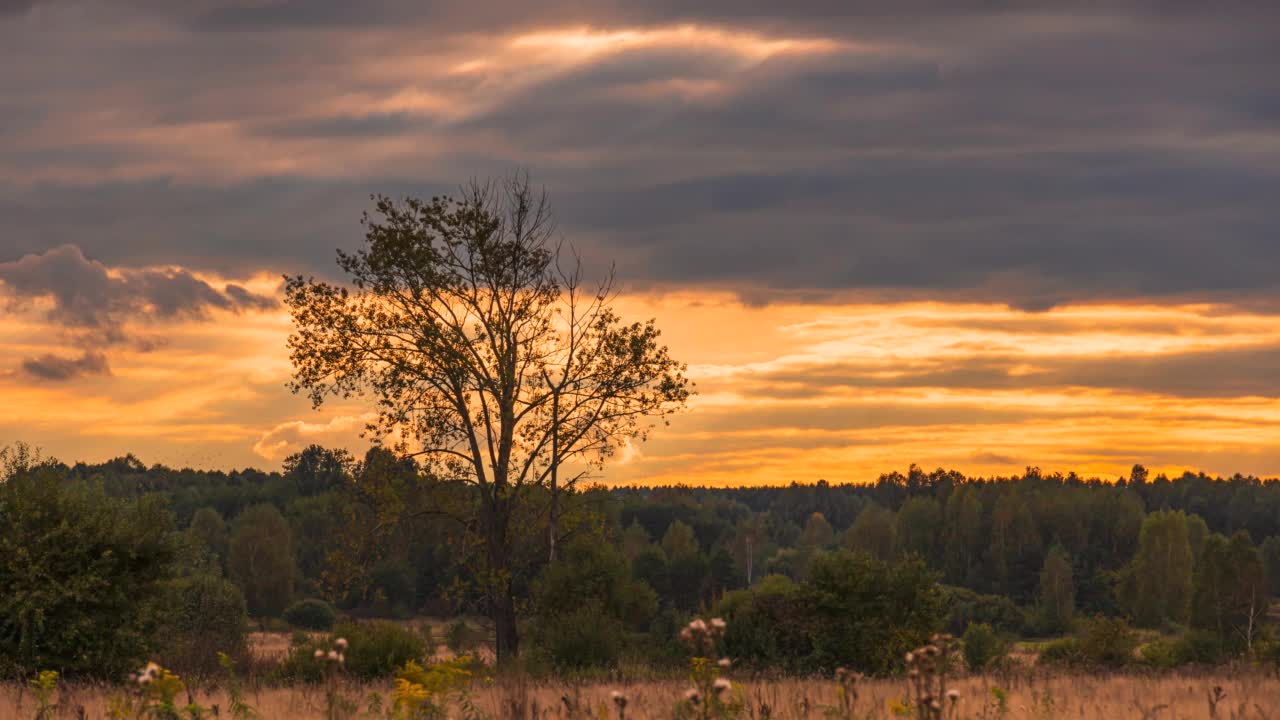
(787,392)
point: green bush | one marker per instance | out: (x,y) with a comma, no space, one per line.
(964,607)
(311,614)
(982,647)
(81,574)
(1200,647)
(584,637)
(376,649)
(1063,651)
(300,663)
(1159,654)
(868,614)
(584,605)
(203,615)
(766,625)
(1107,642)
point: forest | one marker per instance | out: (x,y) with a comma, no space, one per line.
(1111,572)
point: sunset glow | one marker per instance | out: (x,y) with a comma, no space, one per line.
(874,241)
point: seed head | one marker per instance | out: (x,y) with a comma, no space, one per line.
(724,663)
(340,643)
(721,685)
(333,655)
(319,654)
(953,695)
(618,699)
(692,696)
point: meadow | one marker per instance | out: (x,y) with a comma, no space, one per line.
(1246,694)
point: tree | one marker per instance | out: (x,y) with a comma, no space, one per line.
(1230,590)
(962,551)
(1057,592)
(585,602)
(982,647)
(873,532)
(866,614)
(919,526)
(317,469)
(679,541)
(1270,550)
(81,574)
(261,560)
(210,530)
(748,544)
(485,355)
(203,615)
(1159,581)
(635,539)
(817,534)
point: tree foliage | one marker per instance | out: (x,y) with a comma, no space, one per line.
(1159,584)
(81,574)
(484,354)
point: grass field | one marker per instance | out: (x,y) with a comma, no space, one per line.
(1249,695)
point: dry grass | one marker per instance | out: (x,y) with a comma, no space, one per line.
(1031,696)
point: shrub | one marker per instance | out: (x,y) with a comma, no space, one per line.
(1063,651)
(80,575)
(310,614)
(1159,654)
(964,607)
(584,604)
(1200,647)
(765,624)
(376,649)
(300,663)
(982,646)
(1108,642)
(582,638)
(204,616)
(866,613)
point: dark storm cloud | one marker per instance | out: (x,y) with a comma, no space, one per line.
(86,296)
(1038,157)
(56,368)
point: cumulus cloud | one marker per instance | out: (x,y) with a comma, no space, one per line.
(57,368)
(290,437)
(87,295)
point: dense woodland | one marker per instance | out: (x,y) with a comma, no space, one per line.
(809,576)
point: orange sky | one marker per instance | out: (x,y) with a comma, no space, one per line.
(786,392)
(945,233)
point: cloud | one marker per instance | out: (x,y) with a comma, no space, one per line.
(1036,158)
(87,295)
(292,436)
(57,368)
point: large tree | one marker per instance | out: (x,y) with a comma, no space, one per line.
(1158,585)
(486,355)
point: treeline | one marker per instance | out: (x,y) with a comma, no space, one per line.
(810,576)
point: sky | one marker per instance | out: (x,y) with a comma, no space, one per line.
(956,234)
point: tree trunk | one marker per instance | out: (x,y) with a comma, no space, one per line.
(504,621)
(555,467)
(501,590)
